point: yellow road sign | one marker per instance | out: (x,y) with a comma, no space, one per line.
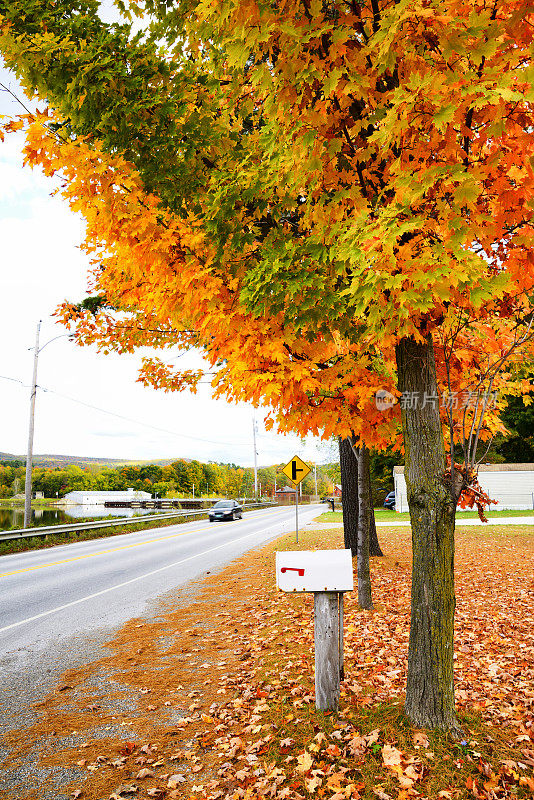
(296,470)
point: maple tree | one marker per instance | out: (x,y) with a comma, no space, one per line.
(330,199)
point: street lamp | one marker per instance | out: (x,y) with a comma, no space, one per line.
(29,455)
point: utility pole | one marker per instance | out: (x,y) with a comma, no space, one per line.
(315,475)
(255,459)
(29,454)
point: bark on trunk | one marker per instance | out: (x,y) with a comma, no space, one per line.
(374,544)
(364,522)
(349,495)
(430,684)
(349,500)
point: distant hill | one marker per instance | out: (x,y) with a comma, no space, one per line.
(11,457)
(84,461)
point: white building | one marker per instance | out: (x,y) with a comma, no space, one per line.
(86,498)
(512,485)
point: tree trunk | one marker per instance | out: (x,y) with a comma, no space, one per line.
(430,683)
(349,500)
(374,544)
(364,523)
(349,495)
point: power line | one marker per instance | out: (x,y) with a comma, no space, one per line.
(144,424)
(15,380)
(130,419)
(127,419)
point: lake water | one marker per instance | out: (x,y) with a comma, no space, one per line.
(14,517)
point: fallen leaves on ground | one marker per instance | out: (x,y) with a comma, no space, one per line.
(232,707)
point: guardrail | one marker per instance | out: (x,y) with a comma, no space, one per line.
(26,533)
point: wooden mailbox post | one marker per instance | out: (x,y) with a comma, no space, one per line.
(328,574)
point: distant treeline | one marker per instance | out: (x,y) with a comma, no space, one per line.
(180,478)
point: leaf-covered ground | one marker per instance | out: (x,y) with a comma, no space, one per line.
(214,698)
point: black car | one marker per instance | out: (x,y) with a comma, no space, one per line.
(225,509)
(389,502)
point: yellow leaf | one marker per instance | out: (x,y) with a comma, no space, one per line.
(420,739)
(312,783)
(304,762)
(391,756)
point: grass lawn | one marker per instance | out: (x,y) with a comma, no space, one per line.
(381,514)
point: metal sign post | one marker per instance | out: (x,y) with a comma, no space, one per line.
(296,470)
(297,513)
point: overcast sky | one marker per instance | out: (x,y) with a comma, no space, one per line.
(42,266)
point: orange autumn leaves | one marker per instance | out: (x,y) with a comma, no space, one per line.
(358,177)
(147,269)
(146,265)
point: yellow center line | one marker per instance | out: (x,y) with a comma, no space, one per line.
(104,552)
(98,553)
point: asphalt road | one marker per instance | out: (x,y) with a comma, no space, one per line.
(57,606)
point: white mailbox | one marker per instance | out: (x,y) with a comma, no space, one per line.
(314,571)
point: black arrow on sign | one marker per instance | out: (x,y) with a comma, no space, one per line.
(294,470)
